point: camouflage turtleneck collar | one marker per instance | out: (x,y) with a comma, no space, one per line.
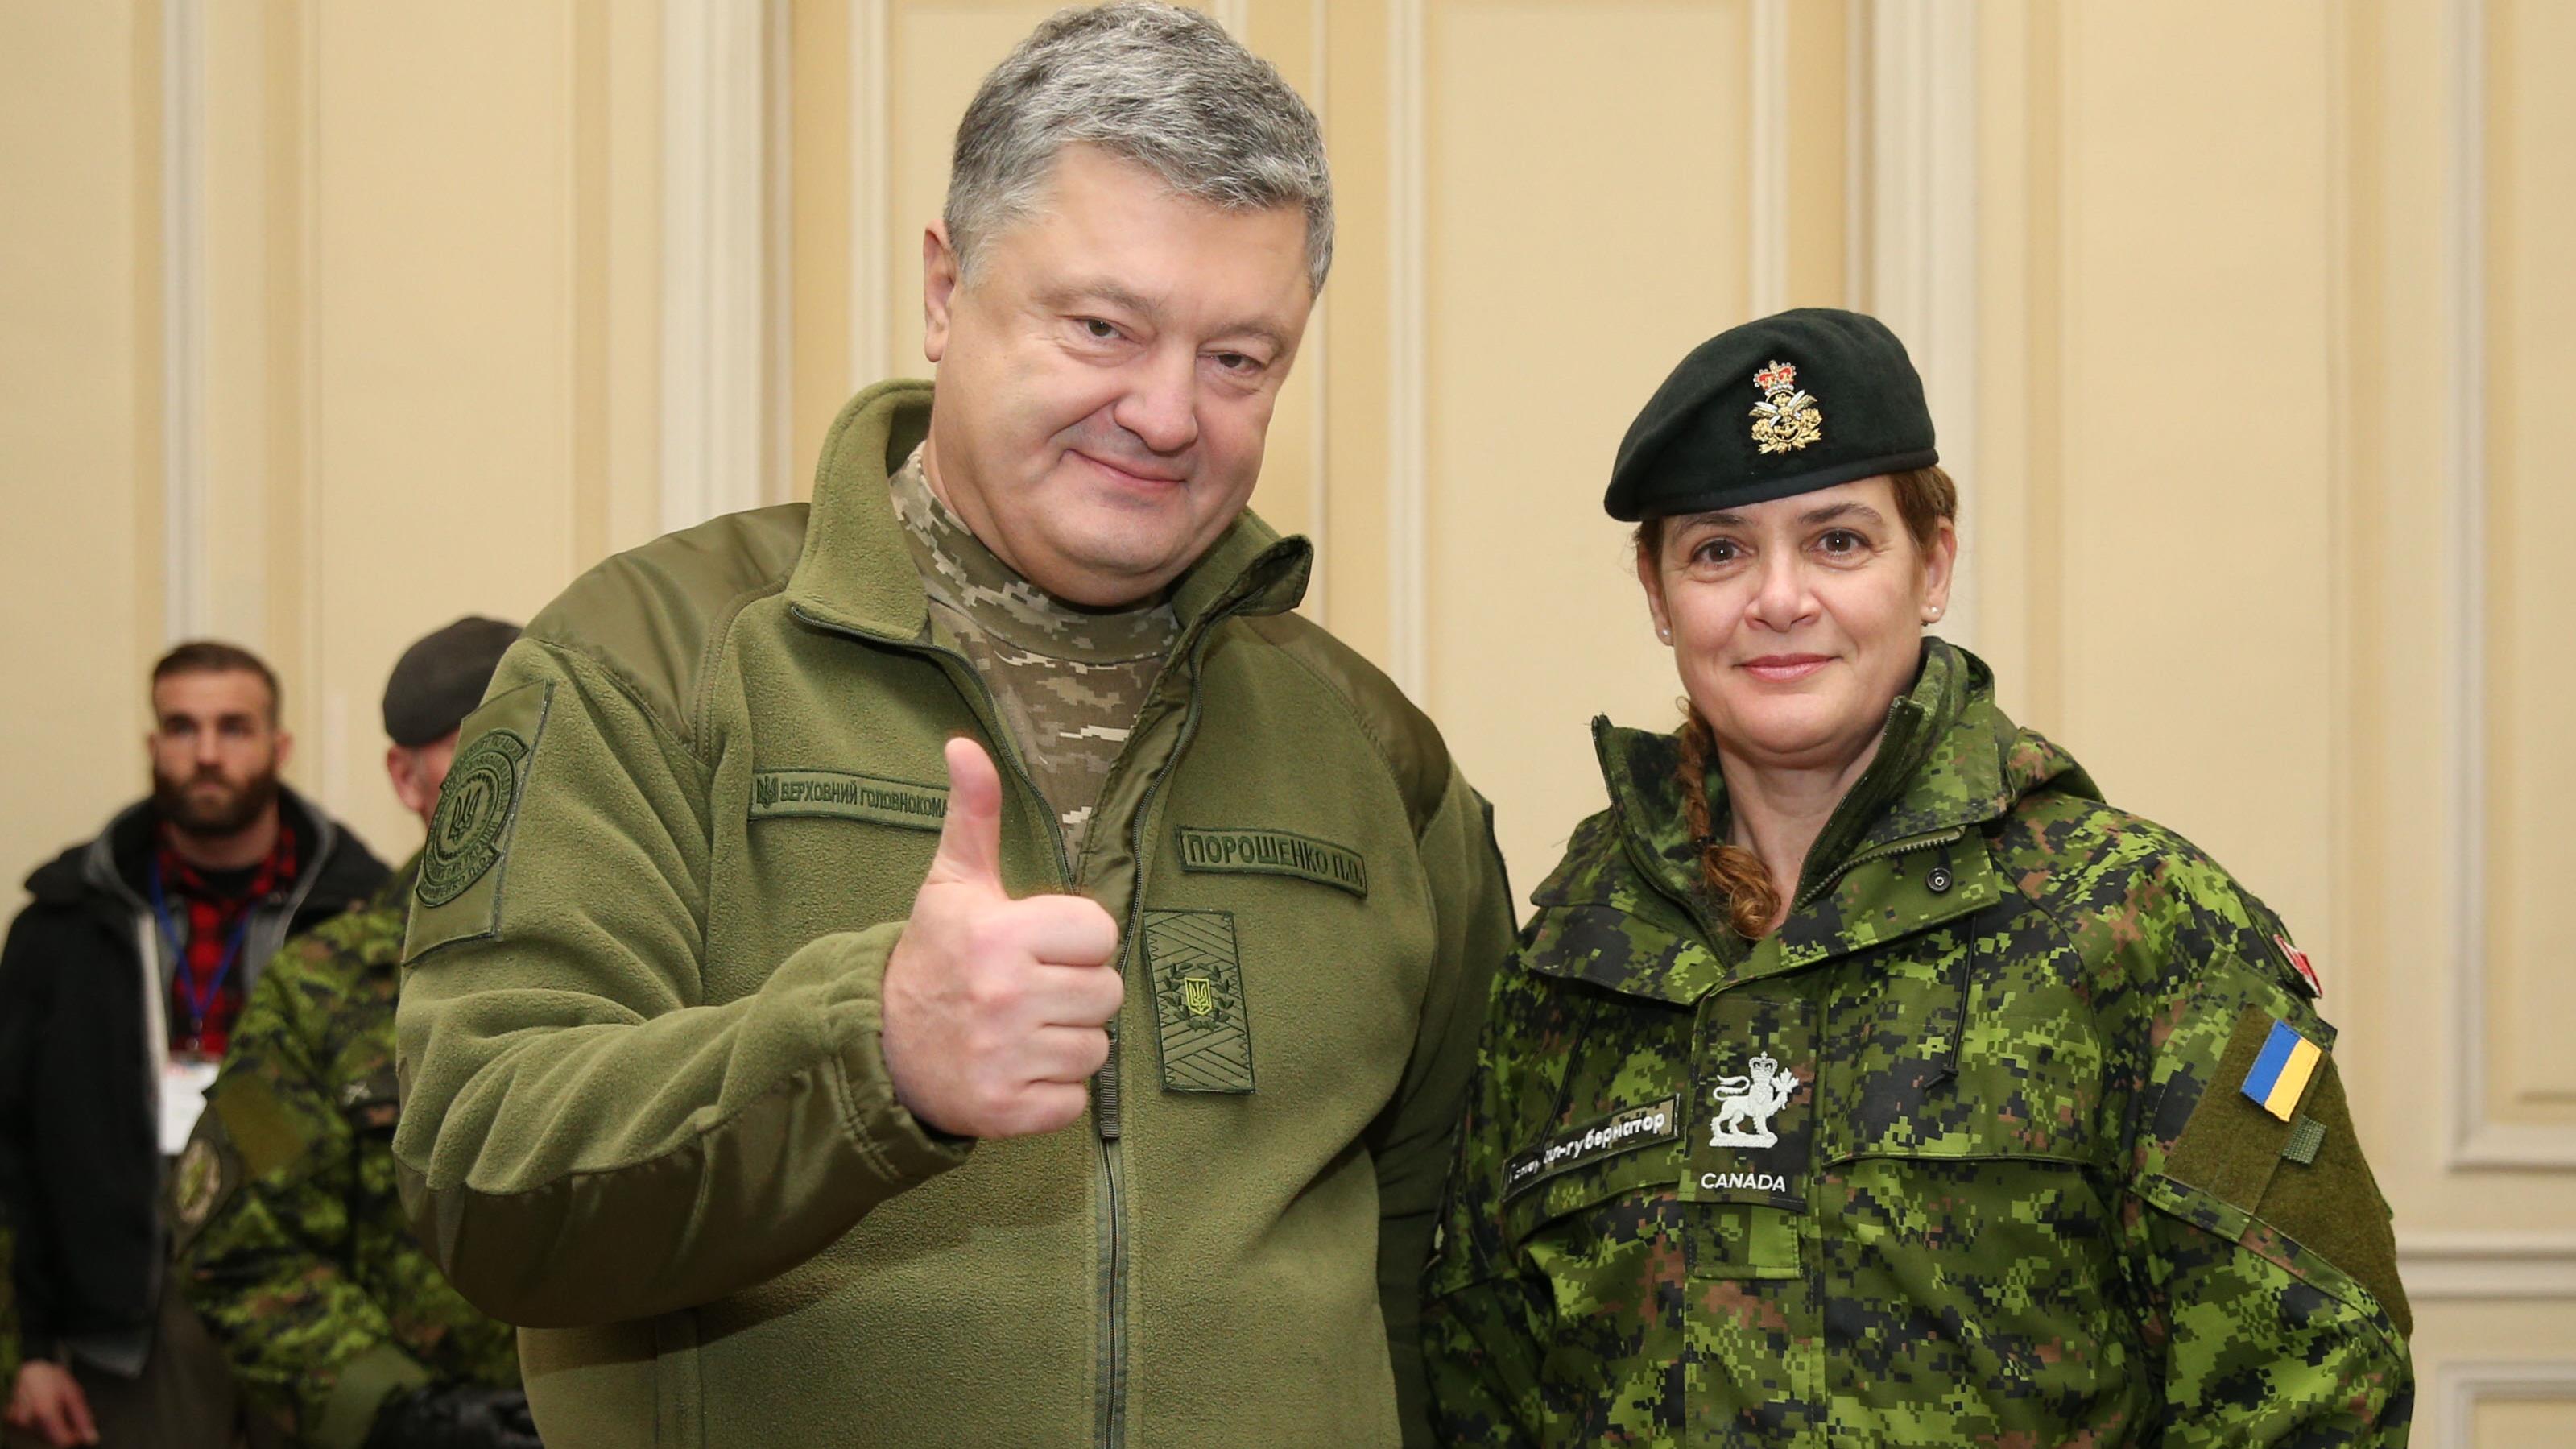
(1948,757)
(960,572)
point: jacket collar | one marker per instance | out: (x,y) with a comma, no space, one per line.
(1941,764)
(1949,763)
(111,865)
(856,572)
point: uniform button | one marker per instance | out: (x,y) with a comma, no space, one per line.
(1939,880)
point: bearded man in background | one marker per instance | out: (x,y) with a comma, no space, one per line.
(118,990)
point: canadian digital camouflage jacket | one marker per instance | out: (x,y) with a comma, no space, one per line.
(1962,1154)
(292,1238)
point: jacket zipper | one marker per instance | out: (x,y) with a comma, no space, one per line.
(1690,907)
(988,713)
(1901,847)
(1110,1392)
(1111,1420)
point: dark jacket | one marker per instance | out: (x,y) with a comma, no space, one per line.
(80,1152)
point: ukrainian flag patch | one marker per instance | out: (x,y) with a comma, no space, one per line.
(2282,1070)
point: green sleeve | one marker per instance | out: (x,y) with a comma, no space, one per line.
(2260,1245)
(1410,1143)
(583,1139)
(1485,1323)
(262,1200)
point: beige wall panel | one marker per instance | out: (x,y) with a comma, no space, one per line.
(820,217)
(1359,122)
(1290,34)
(2402,949)
(80,467)
(2550,1420)
(1551,316)
(2196,491)
(2008,524)
(1821,119)
(938,51)
(631,41)
(241,314)
(2494,1375)
(2531,371)
(443,297)
(2404,955)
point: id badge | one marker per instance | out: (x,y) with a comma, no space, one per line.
(184,1084)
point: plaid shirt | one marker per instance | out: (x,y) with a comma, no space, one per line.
(206,991)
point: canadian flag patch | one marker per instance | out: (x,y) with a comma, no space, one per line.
(2298,959)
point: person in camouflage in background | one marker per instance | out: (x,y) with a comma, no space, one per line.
(292,1238)
(1884,1085)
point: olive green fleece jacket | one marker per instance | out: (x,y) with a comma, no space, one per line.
(646,1114)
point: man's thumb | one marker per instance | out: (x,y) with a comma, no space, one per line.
(970,837)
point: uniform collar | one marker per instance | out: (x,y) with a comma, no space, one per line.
(962,574)
(1937,767)
(1949,763)
(856,572)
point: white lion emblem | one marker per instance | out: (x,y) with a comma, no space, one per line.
(1750,1099)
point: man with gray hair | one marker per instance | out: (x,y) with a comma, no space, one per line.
(793,1072)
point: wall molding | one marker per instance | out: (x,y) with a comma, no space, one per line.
(776,478)
(1766,286)
(187,586)
(2460,1386)
(2477,1141)
(871,192)
(718,220)
(1919,118)
(1408,452)
(2483,1266)
(1317,352)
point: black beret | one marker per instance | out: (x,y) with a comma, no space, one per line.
(1782,405)
(439,680)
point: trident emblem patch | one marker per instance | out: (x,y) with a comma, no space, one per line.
(1198,994)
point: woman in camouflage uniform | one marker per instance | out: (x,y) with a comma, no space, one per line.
(1864,1078)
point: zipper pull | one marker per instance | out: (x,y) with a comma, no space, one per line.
(1104,1091)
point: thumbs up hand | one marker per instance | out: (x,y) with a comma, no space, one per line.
(996,1010)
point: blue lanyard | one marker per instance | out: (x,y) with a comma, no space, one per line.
(198,1002)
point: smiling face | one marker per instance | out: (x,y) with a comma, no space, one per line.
(1794,623)
(1106,376)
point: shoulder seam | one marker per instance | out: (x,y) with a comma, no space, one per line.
(1359,717)
(584,659)
(711,661)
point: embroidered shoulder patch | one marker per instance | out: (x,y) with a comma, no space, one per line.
(474,807)
(1273,852)
(841,795)
(1199,1011)
(466,857)
(1591,1141)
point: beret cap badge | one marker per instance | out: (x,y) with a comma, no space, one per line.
(1694,449)
(1786,419)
